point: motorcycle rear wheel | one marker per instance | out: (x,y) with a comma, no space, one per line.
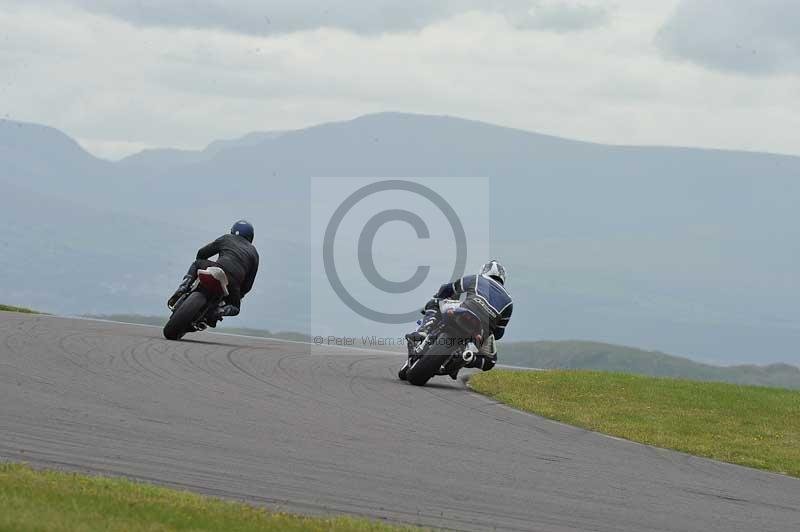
(183,316)
(429,364)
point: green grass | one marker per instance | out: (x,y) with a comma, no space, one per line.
(747,425)
(11,308)
(56,501)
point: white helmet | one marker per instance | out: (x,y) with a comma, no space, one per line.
(494,270)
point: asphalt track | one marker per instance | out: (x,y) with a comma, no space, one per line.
(272,423)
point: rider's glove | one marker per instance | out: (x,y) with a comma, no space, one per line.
(432,304)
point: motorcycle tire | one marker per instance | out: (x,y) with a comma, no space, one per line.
(427,365)
(403,373)
(183,316)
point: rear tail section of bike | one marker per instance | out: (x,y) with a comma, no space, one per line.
(189,312)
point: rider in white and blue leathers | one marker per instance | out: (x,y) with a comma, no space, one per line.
(487,297)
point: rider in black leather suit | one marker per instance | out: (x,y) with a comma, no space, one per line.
(237,257)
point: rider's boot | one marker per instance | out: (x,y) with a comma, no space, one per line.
(229,310)
(182,289)
(475,361)
(216,316)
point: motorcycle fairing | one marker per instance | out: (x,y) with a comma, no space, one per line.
(214,280)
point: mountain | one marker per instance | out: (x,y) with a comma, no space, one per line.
(43,158)
(160,160)
(607,357)
(251,139)
(676,249)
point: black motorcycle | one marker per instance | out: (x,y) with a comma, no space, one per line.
(450,345)
(197,309)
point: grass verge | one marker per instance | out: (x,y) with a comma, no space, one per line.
(747,425)
(57,501)
(11,308)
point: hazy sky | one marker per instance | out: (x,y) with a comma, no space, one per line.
(123,75)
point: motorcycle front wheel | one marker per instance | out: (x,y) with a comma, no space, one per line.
(183,316)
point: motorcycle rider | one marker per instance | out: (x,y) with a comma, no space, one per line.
(238,258)
(487,297)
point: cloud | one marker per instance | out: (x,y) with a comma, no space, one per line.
(117,86)
(563,16)
(368,17)
(756,37)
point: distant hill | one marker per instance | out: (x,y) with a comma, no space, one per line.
(44,159)
(608,357)
(23,310)
(687,250)
(159,160)
(251,139)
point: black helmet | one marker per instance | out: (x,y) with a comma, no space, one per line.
(244,229)
(494,270)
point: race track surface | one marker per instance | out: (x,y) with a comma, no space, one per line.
(271,423)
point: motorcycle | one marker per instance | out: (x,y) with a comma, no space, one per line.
(452,343)
(195,310)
